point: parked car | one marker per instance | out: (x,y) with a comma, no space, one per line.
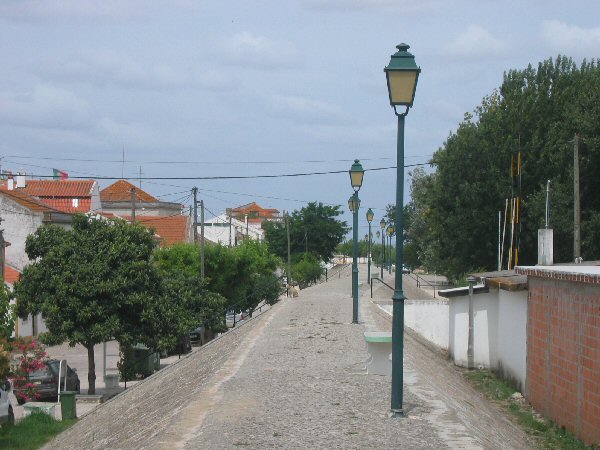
(405,269)
(6,410)
(46,380)
(197,335)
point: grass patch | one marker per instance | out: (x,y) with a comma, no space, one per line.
(545,433)
(32,432)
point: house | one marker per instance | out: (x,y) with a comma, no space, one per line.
(254,214)
(68,196)
(168,230)
(22,215)
(118,199)
(226,230)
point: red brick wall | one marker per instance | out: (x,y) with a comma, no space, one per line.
(563,352)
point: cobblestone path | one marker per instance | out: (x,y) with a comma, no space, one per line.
(294,377)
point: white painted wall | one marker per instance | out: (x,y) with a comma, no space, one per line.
(428,318)
(512,336)
(485,334)
(500,332)
(18,223)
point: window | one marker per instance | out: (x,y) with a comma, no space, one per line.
(75,202)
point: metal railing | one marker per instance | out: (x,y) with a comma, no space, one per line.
(381,281)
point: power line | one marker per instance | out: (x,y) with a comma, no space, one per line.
(243,177)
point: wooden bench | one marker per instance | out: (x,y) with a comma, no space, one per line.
(379,347)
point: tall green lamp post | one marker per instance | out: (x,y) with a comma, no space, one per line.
(356,178)
(370,216)
(402,74)
(382,225)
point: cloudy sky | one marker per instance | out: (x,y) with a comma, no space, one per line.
(256,87)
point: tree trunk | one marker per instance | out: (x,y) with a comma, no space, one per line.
(91,370)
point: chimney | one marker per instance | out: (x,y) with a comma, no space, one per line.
(21,180)
(546,247)
(10,184)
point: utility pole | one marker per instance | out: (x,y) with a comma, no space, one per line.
(289,259)
(195,192)
(230,229)
(202,239)
(133,198)
(577,201)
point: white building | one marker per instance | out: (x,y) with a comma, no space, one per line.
(230,231)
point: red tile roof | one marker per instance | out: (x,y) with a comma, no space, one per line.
(260,215)
(120,191)
(170,229)
(11,275)
(59,188)
(28,201)
(66,204)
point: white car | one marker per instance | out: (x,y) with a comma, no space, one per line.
(6,411)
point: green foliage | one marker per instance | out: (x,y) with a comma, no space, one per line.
(545,433)
(32,432)
(8,313)
(186,300)
(313,229)
(91,284)
(452,220)
(306,269)
(244,275)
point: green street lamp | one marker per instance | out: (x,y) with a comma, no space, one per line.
(370,216)
(354,205)
(402,74)
(390,232)
(382,225)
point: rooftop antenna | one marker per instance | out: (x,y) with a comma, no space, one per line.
(123,162)
(140,176)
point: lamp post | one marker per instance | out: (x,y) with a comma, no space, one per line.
(370,216)
(402,74)
(356,178)
(382,225)
(390,232)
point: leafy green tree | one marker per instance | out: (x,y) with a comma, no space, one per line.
(306,269)
(7,313)
(91,284)
(537,110)
(245,275)
(186,301)
(313,229)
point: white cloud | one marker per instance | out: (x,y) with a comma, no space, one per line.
(403,6)
(44,10)
(308,110)
(475,42)
(249,50)
(46,106)
(571,38)
(103,68)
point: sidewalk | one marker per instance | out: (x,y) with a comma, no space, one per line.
(294,377)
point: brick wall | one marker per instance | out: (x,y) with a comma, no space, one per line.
(563,350)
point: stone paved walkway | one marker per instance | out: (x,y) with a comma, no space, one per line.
(294,377)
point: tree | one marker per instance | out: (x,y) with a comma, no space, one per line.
(313,229)
(306,269)
(244,275)
(91,284)
(537,111)
(186,300)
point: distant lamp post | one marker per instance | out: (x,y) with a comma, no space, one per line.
(390,233)
(370,216)
(382,225)
(402,74)
(354,205)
